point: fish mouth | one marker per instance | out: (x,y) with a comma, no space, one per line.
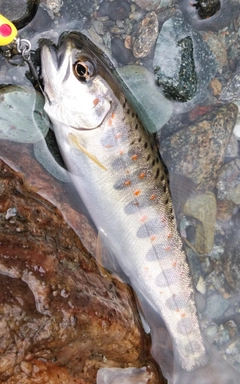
(49,68)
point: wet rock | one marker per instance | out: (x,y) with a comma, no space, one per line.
(145,36)
(199,111)
(198,150)
(151,5)
(59,317)
(231,90)
(209,15)
(115,10)
(99,27)
(228,184)
(216,306)
(182,85)
(27,122)
(217,44)
(232,148)
(236,130)
(183,63)
(54,5)
(225,209)
(119,51)
(216,86)
(76,10)
(203,208)
(231,257)
(51,161)
(207,8)
(20,12)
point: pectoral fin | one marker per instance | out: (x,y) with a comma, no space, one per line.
(74,140)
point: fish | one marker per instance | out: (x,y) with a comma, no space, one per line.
(118,173)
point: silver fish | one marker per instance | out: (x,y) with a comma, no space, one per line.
(118,173)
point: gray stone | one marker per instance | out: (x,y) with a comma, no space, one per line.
(22,118)
(216,306)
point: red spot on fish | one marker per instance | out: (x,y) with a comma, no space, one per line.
(118,135)
(134,157)
(143,218)
(121,152)
(127,183)
(152,238)
(112,115)
(109,122)
(183,314)
(160,292)
(96,101)
(127,171)
(169,236)
(108,146)
(137,192)
(174,264)
(153,196)
(168,248)
(142,175)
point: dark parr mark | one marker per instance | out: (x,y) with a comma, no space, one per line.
(185,326)
(176,302)
(134,205)
(156,253)
(151,227)
(167,277)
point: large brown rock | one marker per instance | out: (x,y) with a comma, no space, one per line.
(60,319)
(197,151)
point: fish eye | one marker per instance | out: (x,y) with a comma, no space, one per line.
(83,69)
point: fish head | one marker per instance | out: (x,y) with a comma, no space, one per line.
(76,92)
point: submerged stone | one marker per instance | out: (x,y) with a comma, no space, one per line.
(183,63)
(209,15)
(183,83)
(22,118)
(145,36)
(203,208)
(197,151)
(115,10)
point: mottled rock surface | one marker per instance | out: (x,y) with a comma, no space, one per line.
(231,257)
(203,208)
(198,150)
(60,319)
(228,184)
(145,36)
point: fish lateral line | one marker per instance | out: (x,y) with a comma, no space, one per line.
(74,140)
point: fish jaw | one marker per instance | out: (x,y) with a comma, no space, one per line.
(49,72)
(81,105)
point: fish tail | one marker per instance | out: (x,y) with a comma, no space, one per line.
(215,371)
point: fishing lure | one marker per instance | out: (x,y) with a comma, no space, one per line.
(8,31)
(11,44)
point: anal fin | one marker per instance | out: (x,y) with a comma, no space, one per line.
(106,258)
